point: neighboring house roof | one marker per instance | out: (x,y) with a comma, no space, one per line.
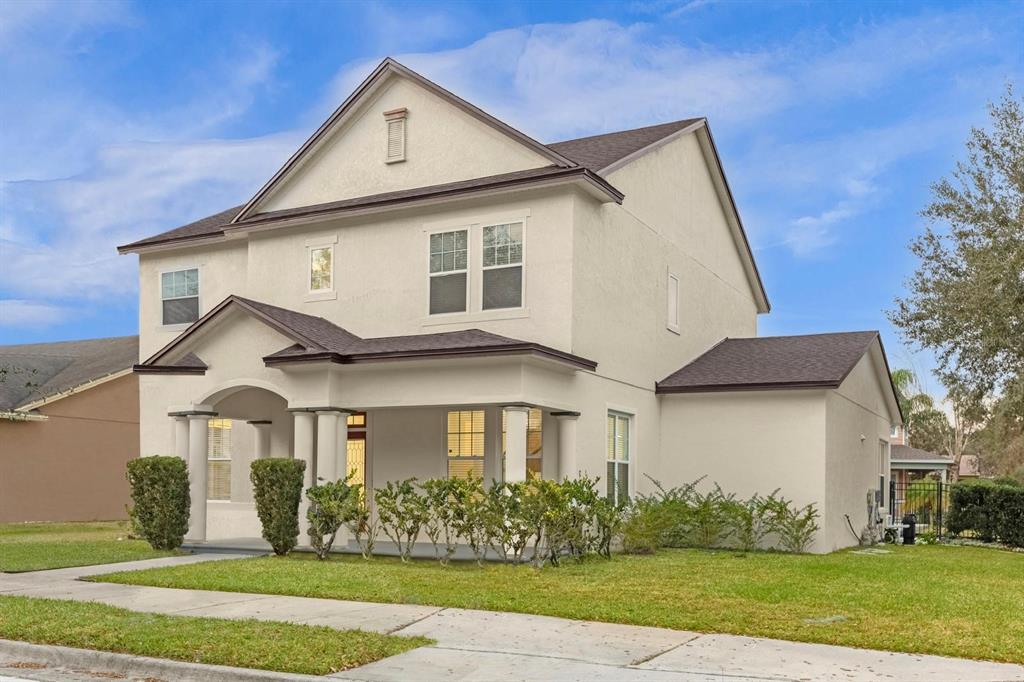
(905,453)
(810,361)
(37,372)
(970,466)
(317,339)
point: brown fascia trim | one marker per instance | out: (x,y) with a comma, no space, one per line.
(724,388)
(265,218)
(357,94)
(167,369)
(269,218)
(358,358)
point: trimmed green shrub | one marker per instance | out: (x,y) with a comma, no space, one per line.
(970,510)
(161,497)
(1008,513)
(442,496)
(402,512)
(644,526)
(751,520)
(794,527)
(331,505)
(277,491)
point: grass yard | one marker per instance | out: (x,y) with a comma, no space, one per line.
(955,601)
(37,546)
(280,647)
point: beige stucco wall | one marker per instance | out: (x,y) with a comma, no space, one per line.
(71,467)
(858,424)
(443,144)
(750,442)
(671,221)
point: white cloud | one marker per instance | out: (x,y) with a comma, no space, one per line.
(19,313)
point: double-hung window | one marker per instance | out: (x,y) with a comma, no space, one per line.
(465,443)
(179,296)
(502,265)
(449,271)
(618,457)
(321,268)
(218,465)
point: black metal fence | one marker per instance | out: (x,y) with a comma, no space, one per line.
(927,500)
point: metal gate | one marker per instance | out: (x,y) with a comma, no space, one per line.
(927,500)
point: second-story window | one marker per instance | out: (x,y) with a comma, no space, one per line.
(449,265)
(502,265)
(321,268)
(179,296)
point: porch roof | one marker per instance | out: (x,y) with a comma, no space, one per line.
(318,340)
(904,454)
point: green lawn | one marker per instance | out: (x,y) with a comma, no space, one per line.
(37,546)
(956,601)
(281,647)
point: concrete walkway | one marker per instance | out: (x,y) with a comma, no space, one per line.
(504,647)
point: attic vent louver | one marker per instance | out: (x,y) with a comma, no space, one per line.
(396,134)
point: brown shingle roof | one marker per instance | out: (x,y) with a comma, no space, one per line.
(42,370)
(905,453)
(597,152)
(318,339)
(810,361)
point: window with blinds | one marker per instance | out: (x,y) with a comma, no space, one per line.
(465,443)
(355,458)
(179,296)
(218,465)
(534,441)
(502,264)
(618,458)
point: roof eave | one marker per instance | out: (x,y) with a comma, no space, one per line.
(361,358)
(724,388)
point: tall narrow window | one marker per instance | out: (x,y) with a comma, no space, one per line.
(465,443)
(449,262)
(218,465)
(883,465)
(534,441)
(179,296)
(672,316)
(502,266)
(395,122)
(355,459)
(618,458)
(321,268)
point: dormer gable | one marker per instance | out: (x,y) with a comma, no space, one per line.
(398,131)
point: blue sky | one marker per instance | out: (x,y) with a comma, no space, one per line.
(119,120)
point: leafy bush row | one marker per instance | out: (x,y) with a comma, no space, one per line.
(992,511)
(686,517)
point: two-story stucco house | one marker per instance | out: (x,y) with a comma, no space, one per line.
(423,290)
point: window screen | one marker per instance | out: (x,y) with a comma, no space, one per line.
(449,261)
(618,458)
(502,262)
(179,294)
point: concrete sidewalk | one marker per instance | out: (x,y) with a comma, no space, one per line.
(506,647)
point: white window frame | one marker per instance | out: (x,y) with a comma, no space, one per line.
(521,265)
(630,447)
(481,458)
(468,269)
(229,459)
(672,285)
(330,242)
(198,296)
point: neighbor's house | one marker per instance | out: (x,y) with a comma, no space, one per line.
(423,290)
(908,464)
(69,423)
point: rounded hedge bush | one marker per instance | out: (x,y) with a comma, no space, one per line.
(277,490)
(161,497)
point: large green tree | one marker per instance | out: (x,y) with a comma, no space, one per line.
(966,299)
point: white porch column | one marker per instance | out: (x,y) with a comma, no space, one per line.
(181,437)
(198,442)
(516,422)
(567,464)
(304,450)
(327,433)
(262,428)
